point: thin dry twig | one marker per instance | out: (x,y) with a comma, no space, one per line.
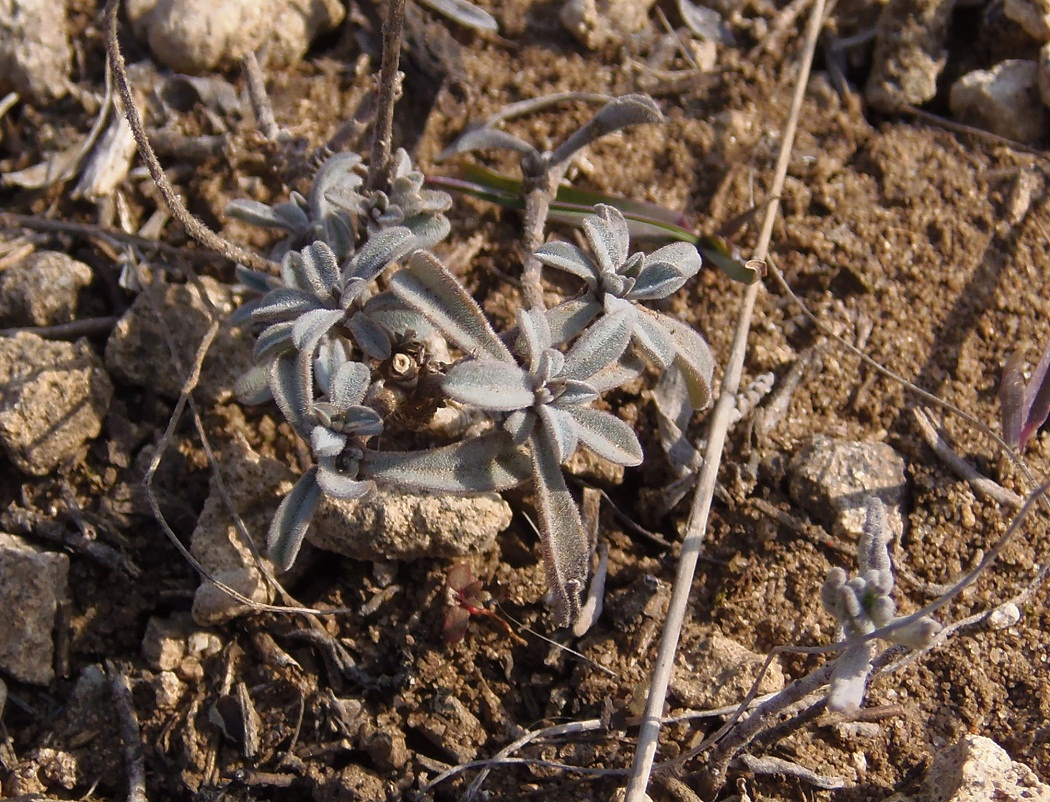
(382,139)
(194,227)
(12,221)
(649,734)
(120,687)
(75,329)
(775,765)
(981,484)
(158,455)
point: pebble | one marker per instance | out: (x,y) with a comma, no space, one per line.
(391,525)
(598,23)
(196,36)
(167,690)
(32,585)
(831,480)
(1004,616)
(1004,100)
(36,57)
(164,642)
(53,398)
(718,672)
(42,289)
(1032,15)
(977,769)
(137,350)
(910,53)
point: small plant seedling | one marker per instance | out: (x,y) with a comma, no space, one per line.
(466,596)
(862,605)
(350,333)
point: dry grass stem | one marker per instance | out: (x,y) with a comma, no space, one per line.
(649,734)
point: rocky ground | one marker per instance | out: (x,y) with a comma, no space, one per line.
(914,224)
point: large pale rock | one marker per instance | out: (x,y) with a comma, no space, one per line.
(255,485)
(977,769)
(32,585)
(42,289)
(718,672)
(391,525)
(831,479)
(910,53)
(1004,100)
(137,350)
(53,398)
(195,36)
(35,54)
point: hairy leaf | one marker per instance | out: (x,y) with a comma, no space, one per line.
(427,286)
(288,216)
(535,334)
(349,385)
(1011,399)
(339,485)
(618,113)
(292,392)
(607,436)
(274,339)
(623,370)
(598,347)
(253,387)
(326,443)
(496,386)
(284,304)
(560,429)
(606,233)
(292,519)
(872,547)
(569,318)
(566,256)
(665,271)
(318,268)
(466,14)
(370,337)
(652,338)
(381,249)
(486,138)
(491,462)
(693,358)
(565,550)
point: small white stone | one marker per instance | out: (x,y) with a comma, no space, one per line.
(167,690)
(1004,616)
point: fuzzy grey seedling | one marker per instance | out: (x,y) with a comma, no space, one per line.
(862,605)
(619,281)
(341,355)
